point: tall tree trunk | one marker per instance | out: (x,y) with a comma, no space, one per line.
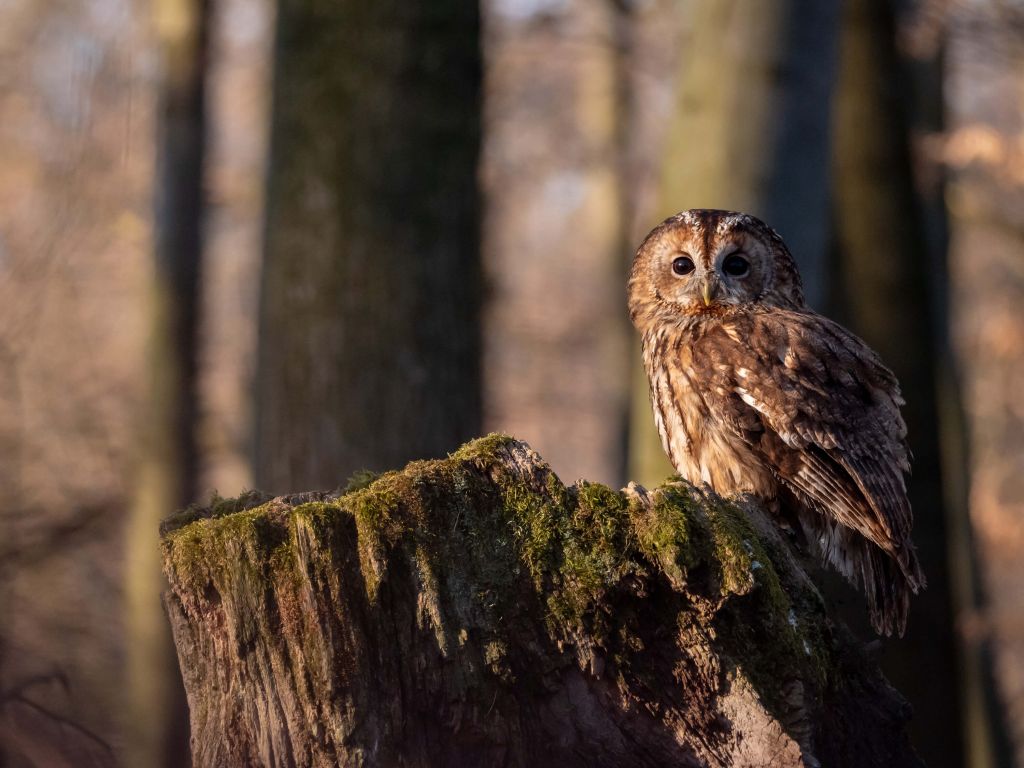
(555,323)
(157,724)
(986,194)
(886,291)
(369,333)
(751,133)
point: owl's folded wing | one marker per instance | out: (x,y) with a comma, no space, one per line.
(828,412)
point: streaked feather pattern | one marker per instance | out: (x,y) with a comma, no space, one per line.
(755,393)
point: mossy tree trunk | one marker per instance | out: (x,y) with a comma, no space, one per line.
(475,611)
(751,133)
(369,332)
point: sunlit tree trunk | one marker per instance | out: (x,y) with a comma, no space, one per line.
(750,133)
(369,334)
(156,718)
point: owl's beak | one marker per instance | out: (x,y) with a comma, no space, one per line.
(706,293)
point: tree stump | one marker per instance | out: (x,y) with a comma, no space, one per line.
(475,611)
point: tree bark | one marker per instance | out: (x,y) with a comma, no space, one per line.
(369,330)
(886,282)
(476,611)
(167,473)
(986,208)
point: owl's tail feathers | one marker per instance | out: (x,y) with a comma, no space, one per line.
(889,581)
(888,576)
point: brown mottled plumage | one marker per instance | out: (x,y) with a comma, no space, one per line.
(755,393)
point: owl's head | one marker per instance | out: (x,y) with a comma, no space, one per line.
(705,262)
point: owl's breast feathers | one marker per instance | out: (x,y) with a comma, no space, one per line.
(762,398)
(690,426)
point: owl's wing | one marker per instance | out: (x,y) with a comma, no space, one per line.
(823,411)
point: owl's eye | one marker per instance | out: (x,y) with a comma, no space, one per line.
(682,265)
(735,265)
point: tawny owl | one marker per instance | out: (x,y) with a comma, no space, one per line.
(755,393)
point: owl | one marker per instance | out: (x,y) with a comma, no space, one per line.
(755,393)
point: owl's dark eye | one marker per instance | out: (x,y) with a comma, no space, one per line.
(735,265)
(682,265)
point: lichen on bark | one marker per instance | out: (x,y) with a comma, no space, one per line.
(475,610)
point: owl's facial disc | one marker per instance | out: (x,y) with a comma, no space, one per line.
(707,277)
(710,262)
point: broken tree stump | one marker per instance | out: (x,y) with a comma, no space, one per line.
(474,611)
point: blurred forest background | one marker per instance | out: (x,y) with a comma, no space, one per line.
(246,245)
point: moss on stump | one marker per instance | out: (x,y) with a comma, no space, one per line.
(476,611)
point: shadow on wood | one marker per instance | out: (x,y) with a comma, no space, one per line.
(476,611)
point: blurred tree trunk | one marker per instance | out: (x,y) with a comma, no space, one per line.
(923,55)
(369,333)
(751,133)
(157,720)
(555,336)
(891,290)
(986,201)
(10,448)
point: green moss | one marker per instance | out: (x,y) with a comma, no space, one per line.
(664,531)
(484,540)
(321,517)
(216,507)
(598,549)
(360,479)
(496,659)
(734,542)
(484,450)
(377,524)
(686,529)
(210,546)
(790,614)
